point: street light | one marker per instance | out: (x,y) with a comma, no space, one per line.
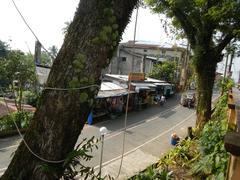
(103,132)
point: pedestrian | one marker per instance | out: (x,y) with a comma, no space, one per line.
(174,139)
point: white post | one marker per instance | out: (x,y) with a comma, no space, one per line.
(103,132)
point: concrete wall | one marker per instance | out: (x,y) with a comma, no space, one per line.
(123,62)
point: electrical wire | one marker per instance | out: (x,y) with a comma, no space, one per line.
(68,89)
(34,34)
(20,134)
(124,131)
(126,112)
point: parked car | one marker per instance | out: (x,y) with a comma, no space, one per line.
(188,99)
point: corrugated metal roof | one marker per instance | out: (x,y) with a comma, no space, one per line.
(112,93)
(108,86)
(125,78)
(143,84)
(109,89)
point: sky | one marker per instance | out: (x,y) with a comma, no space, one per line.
(47,19)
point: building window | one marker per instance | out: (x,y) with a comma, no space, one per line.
(124,59)
(144,50)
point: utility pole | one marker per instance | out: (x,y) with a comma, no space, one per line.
(143,63)
(230,64)
(184,73)
(37,55)
(226,64)
(134,39)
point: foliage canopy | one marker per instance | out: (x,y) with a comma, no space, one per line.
(164,71)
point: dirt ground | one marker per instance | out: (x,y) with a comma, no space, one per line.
(12,108)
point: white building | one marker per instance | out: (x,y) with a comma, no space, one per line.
(140,57)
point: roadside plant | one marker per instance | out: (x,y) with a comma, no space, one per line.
(213,161)
(220,109)
(154,173)
(31,98)
(181,155)
(22,119)
(74,163)
(225,84)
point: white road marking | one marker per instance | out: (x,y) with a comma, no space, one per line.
(153,139)
(9,147)
(2,171)
(139,123)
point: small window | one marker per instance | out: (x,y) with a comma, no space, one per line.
(124,59)
(144,50)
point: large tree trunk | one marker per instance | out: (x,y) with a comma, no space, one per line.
(89,44)
(205,80)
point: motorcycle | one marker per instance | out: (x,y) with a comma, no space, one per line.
(162,100)
(190,101)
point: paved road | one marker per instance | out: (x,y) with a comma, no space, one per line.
(147,137)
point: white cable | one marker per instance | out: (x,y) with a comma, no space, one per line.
(20,134)
(24,20)
(68,89)
(124,131)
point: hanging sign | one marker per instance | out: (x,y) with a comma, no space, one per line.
(136,77)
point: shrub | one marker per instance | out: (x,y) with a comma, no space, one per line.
(31,98)
(214,158)
(152,173)
(22,119)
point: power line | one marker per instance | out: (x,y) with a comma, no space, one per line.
(34,34)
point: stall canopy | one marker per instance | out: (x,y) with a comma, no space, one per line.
(109,89)
(144,86)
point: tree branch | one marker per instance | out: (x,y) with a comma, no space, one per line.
(224,42)
(186,25)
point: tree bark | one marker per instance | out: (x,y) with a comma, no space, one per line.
(88,46)
(205,71)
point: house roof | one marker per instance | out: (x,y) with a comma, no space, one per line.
(125,78)
(151,45)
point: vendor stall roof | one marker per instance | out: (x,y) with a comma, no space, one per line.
(112,93)
(107,86)
(163,84)
(138,88)
(154,80)
(143,84)
(125,78)
(109,89)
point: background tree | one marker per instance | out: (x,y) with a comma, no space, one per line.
(53,50)
(209,26)
(3,54)
(89,44)
(20,73)
(164,71)
(45,59)
(3,49)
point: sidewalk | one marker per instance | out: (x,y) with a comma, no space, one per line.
(149,153)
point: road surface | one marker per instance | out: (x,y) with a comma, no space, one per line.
(147,137)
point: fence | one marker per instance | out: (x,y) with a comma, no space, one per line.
(232,139)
